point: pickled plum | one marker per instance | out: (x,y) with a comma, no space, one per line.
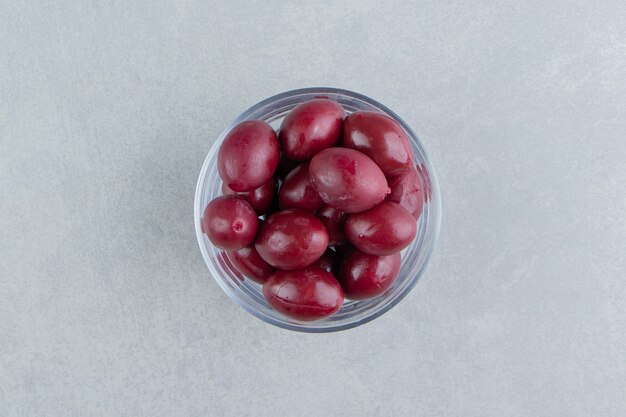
(298,192)
(364,276)
(407,189)
(291,239)
(304,294)
(261,199)
(248,156)
(382,230)
(248,261)
(229,222)
(311,127)
(347,179)
(334,221)
(379,137)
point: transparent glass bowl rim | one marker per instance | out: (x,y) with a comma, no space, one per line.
(434,202)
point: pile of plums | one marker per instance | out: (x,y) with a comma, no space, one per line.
(318,211)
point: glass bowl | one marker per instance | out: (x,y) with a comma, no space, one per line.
(248,294)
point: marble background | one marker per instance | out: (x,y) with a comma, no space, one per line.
(108,108)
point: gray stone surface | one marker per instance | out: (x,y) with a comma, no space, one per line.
(108,108)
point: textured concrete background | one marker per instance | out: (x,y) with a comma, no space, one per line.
(108,108)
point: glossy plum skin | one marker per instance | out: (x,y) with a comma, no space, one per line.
(382,230)
(248,261)
(291,239)
(364,276)
(298,192)
(248,156)
(407,189)
(380,138)
(229,222)
(304,294)
(334,221)
(261,199)
(311,127)
(347,179)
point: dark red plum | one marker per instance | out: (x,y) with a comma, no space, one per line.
(347,179)
(304,294)
(381,138)
(311,127)
(364,276)
(291,239)
(248,261)
(297,191)
(248,156)
(230,223)
(382,230)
